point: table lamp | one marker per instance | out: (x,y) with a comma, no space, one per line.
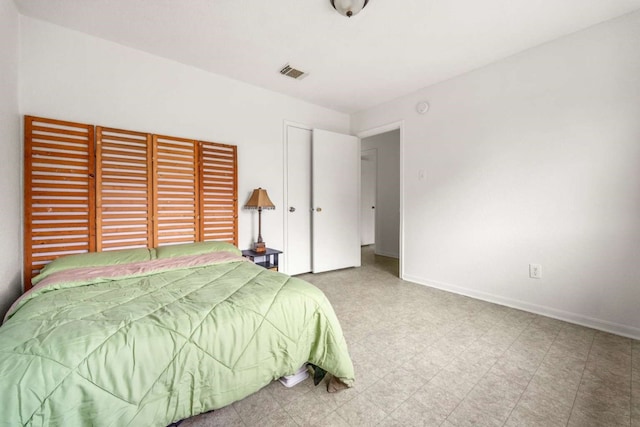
(259,200)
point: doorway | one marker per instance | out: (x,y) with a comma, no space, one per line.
(387,237)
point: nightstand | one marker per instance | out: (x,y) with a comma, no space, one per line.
(268,259)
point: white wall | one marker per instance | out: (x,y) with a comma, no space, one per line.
(534,159)
(10,145)
(73,76)
(387,191)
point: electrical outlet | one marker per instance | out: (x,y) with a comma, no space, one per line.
(535,271)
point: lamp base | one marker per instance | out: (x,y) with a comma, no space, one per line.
(260,247)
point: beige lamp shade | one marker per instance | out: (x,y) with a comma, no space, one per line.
(259,200)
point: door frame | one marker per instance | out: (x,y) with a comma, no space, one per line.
(376,131)
(285,179)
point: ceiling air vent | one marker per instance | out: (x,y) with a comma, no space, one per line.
(287,70)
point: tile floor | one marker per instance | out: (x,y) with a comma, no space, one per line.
(425,357)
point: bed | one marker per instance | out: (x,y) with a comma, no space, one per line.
(152,336)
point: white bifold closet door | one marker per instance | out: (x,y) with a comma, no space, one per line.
(322,195)
(297,254)
(335,183)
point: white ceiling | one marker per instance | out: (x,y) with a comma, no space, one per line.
(392,48)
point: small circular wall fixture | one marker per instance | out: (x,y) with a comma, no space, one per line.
(422,107)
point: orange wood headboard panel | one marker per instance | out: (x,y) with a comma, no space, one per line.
(123,189)
(218,191)
(176,188)
(59,191)
(93,189)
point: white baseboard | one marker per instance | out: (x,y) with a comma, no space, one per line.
(387,254)
(579,319)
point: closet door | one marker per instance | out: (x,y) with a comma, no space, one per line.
(335,200)
(297,252)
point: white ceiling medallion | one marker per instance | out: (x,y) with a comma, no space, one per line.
(349,8)
(422,107)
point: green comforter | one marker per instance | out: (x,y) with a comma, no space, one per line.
(160,344)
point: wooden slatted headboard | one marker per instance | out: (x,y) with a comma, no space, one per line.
(93,189)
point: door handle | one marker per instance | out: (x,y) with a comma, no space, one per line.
(318,209)
(292,209)
(373,207)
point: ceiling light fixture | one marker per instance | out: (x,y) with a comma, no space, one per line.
(349,8)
